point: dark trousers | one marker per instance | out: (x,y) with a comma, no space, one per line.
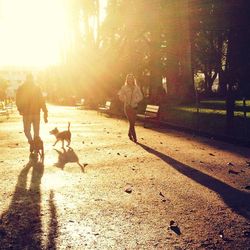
(131,116)
(33,120)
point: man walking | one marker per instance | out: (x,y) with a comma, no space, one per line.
(29,102)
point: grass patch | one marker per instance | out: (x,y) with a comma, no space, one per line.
(221,105)
(211,118)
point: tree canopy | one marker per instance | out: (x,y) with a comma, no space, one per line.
(161,39)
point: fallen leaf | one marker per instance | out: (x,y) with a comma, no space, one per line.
(128,190)
(161,194)
(156,244)
(174,227)
(233,172)
(172,222)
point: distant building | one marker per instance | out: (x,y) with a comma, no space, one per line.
(14,76)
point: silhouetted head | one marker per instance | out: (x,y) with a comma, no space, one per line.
(54,131)
(130,80)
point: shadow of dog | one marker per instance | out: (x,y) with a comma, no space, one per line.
(66,156)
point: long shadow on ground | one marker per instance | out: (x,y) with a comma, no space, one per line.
(238,200)
(53,223)
(20,225)
(241,150)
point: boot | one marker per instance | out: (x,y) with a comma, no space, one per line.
(130,136)
(134,135)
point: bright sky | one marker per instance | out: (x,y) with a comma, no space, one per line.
(33,32)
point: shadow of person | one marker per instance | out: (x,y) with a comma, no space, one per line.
(21,224)
(234,198)
(66,156)
(53,223)
(215,141)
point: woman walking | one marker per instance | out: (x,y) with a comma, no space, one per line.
(130,94)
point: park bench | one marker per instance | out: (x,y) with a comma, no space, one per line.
(3,109)
(151,114)
(80,105)
(105,108)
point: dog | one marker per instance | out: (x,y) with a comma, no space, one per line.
(62,136)
(37,150)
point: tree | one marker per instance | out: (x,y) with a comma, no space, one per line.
(136,34)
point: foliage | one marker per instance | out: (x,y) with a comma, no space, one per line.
(136,39)
(220,38)
(132,38)
(152,40)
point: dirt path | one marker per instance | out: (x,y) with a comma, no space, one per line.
(198,184)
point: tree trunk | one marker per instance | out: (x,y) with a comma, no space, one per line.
(155,65)
(155,52)
(230,98)
(179,68)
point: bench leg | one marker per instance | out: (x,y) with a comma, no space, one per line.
(145,122)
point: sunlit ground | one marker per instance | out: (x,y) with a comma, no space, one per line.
(186,181)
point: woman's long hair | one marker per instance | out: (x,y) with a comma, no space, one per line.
(130,75)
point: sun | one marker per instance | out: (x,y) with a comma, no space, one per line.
(33,32)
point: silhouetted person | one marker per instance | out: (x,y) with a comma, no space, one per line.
(30,101)
(130,94)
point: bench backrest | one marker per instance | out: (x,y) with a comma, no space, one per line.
(152,110)
(107,104)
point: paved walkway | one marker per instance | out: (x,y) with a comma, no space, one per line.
(170,191)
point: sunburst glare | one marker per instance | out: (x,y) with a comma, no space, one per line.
(32,32)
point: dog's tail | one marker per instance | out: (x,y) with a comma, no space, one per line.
(68,126)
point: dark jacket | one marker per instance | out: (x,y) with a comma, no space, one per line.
(29,99)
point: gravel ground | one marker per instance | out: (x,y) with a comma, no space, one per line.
(169,191)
